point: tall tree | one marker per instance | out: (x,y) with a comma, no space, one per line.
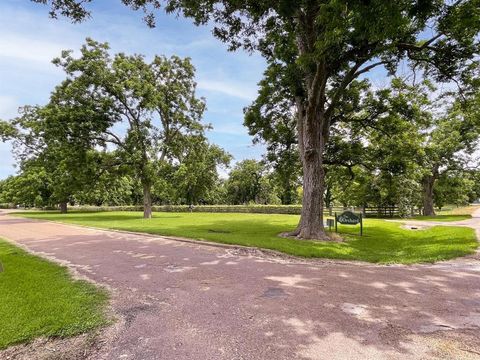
(154,104)
(449,144)
(323,46)
(422,136)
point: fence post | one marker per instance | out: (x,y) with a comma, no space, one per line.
(361,225)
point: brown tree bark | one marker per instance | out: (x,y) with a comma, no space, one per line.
(313,126)
(63,207)
(311,220)
(428,207)
(147,201)
(428,182)
(312,139)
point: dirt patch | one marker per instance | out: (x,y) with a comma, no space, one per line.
(413,227)
(464,345)
(89,346)
(85,346)
(219,231)
(332,237)
(349,310)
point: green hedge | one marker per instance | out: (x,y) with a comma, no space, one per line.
(252,209)
(259,209)
(7,206)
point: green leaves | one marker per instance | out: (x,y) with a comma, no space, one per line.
(115,123)
(7,130)
(154,102)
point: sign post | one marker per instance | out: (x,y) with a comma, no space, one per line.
(361,224)
(330,223)
(349,218)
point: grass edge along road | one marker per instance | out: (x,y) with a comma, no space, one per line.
(383,241)
(40,298)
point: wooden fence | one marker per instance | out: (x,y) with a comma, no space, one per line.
(374,212)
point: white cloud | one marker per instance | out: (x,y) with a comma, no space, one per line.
(28,49)
(7,163)
(246,92)
(230,128)
(8,106)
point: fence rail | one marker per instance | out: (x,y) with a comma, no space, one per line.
(378,212)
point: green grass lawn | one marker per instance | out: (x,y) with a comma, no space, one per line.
(383,242)
(455,210)
(442,218)
(39,298)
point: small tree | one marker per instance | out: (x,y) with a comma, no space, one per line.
(197,172)
(246,182)
(44,144)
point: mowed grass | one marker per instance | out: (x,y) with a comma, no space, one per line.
(451,213)
(442,218)
(383,241)
(462,210)
(39,298)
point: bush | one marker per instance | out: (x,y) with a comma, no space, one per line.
(260,209)
(7,206)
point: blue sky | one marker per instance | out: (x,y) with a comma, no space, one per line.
(30,39)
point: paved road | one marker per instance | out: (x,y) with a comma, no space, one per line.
(179,300)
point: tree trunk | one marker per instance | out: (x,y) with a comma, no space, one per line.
(63,207)
(287,196)
(312,145)
(311,222)
(428,208)
(147,201)
(328,199)
(313,126)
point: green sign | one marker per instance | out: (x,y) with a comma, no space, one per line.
(349,218)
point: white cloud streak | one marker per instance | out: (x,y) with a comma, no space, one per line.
(8,106)
(28,49)
(230,88)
